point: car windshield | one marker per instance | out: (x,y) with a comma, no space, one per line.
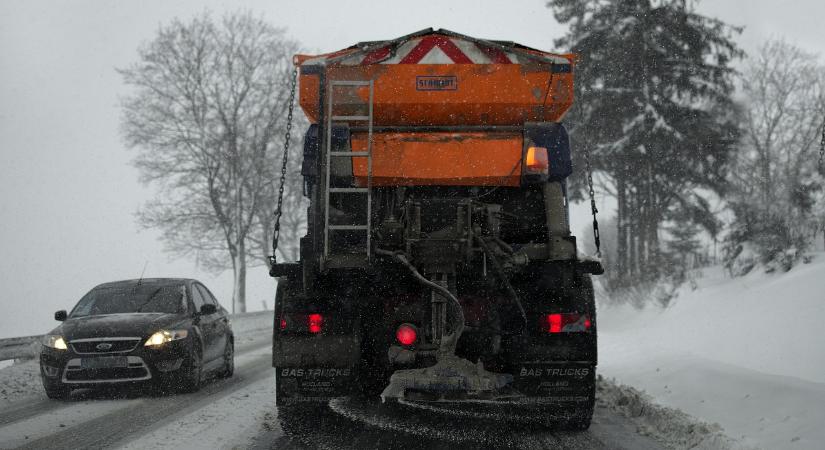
(147,298)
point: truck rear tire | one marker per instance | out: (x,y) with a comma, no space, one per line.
(579,424)
(584,416)
(299,420)
(373,377)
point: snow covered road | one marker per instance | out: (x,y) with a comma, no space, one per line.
(353,424)
(240,413)
(95,419)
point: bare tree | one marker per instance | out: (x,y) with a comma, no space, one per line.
(782,86)
(784,90)
(774,178)
(206,113)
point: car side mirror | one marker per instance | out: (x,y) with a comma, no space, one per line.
(61,315)
(208,308)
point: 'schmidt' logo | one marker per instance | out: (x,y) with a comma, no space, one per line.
(104,346)
(436,83)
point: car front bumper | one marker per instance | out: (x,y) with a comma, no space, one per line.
(140,364)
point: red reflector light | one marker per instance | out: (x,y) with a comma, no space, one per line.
(406,334)
(314,323)
(554,323)
(565,323)
(301,323)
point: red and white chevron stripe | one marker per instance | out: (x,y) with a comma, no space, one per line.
(437,49)
(428,49)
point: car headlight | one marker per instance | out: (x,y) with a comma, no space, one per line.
(164,336)
(55,341)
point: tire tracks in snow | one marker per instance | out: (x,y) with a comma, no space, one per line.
(145,413)
(24,409)
(353,424)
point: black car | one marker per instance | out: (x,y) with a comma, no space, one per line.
(163,331)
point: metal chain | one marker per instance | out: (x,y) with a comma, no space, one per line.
(822,149)
(593,208)
(276,233)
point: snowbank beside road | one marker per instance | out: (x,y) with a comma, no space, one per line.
(669,426)
(20,380)
(745,353)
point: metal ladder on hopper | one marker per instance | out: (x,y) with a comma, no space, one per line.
(347,260)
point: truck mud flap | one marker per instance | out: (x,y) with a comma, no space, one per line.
(312,384)
(570,385)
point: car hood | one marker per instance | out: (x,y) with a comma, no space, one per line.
(118,325)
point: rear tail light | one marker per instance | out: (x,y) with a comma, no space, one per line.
(565,323)
(406,334)
(312,323)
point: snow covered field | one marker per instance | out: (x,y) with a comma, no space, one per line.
(747,353)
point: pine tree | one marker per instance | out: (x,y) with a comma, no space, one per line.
(653,93)
(683,244)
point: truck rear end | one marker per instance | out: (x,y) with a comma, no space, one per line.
(438,264)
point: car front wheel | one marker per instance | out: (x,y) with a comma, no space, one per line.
(57,390)
(191,377)
(228,360)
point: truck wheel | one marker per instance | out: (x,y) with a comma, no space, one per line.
(372,379)
(575,417)
(581,420)
(579,424)
(585,295)
(300,420)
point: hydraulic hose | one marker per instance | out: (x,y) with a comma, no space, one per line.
(448,342)
(500,272)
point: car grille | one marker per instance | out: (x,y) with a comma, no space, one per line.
(110,374)
(134,370)
(109,345)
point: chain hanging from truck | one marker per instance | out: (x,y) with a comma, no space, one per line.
(593,209)
(276,233)
(822,149)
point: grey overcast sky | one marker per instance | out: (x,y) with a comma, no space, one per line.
(67,190)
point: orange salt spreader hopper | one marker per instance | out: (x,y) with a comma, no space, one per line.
(447,109)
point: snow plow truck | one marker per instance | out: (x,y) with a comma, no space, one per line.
(438,263)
